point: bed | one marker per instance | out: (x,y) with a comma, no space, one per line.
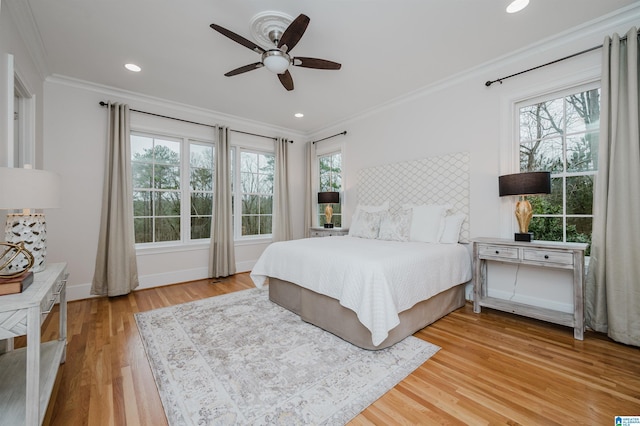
(377,286)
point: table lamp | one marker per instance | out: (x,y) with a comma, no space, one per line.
(28,189)
(522,184)
(328,198)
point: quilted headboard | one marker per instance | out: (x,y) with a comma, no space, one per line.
(434,180)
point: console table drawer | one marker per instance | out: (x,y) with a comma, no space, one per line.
(496,252)
(548,256)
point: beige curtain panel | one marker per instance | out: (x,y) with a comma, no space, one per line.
(613,283)
(309,195)
(281,230)
(116,269)
(222,259)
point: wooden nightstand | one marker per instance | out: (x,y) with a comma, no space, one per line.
(327,232)
(544,254)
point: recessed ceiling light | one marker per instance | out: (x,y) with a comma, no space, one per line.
(133,67)
(298,115)
(517,6)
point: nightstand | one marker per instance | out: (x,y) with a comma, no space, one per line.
(328,232)
(543,254)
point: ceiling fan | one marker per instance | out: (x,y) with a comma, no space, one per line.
(278,59)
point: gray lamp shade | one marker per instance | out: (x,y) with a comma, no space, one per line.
(328,197)
(525,183)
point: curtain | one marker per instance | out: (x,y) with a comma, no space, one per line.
(222,259)
(308,196)
(281,218)
(116,269)
(613,279)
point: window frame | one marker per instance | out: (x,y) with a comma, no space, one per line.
(319,213)
(236,171)
(515,166)
(185,241)
(324,148)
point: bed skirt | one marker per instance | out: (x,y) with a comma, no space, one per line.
(327,313)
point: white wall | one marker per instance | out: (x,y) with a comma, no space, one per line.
(462,114)
(75,147)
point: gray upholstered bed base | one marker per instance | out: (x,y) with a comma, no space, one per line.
(327,313)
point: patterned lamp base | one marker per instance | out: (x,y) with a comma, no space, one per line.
(30,229)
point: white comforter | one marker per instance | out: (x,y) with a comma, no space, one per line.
(376,279)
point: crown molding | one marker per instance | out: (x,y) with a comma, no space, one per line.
(22,16)
(190,111)
(585,35)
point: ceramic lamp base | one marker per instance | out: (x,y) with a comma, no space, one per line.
(30,229)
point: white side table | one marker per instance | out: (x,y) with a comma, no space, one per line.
(27,375)
(328,232)
(544,254)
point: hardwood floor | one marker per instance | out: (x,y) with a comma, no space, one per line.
(493,368)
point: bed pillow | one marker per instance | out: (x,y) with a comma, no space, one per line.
(366,224)
(371,208)
(427,222)
(452,226)
(395,226)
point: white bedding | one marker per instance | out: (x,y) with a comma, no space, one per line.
(376,279)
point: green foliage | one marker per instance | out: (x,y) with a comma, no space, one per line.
(548,129)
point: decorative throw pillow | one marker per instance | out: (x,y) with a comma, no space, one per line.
(371,208)
(452,226)
(395,226)
(366,225)
(427,222)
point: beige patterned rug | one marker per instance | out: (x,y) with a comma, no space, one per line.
(241,359)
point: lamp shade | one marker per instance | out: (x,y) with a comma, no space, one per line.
(28,189)
(525,183)
(328,197)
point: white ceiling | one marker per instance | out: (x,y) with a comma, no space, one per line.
(387,48)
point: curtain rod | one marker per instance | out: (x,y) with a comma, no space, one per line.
(489,83)
(104,104)
(329,137)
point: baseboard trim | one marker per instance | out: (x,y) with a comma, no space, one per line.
(83,291)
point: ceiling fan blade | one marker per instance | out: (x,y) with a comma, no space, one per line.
(237,38)
(321,64)
(245,68)
(286,80)
(294,32)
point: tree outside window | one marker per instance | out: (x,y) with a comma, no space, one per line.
(160,183)
(560,135)
(256,183)
(201,185)
(330,180)
(156,188)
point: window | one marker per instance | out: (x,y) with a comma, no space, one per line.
(256,192)
(163,210)
(201,169)
(560,134)
(330,179)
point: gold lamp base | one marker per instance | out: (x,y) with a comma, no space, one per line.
(328,214)
(524,213)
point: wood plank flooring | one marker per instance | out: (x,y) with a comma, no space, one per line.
(493,368)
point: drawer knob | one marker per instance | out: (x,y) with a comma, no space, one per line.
(497,251)
(546,256)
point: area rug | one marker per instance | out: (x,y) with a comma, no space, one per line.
(241,359)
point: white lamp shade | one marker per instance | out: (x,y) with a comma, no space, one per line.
(28,189)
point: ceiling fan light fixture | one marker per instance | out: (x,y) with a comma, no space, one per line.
(276,61)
